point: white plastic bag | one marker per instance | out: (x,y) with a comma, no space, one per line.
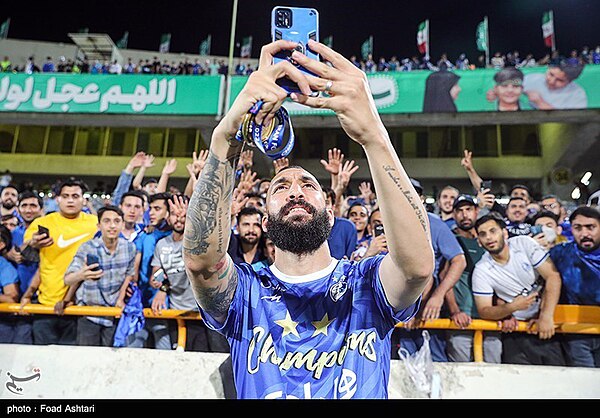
(420,369)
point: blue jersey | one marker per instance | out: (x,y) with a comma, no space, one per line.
(323,335)
(580,272)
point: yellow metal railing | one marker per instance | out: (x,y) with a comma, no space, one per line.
(572,319)
(568,319)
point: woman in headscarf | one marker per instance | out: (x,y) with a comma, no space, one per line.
(441,90)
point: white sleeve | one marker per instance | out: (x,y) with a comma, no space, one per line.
(482,285)
(535,252)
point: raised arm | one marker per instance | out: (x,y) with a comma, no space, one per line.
(210,269)
(405,270)
(467,163)
(126,177)
(167,171)
(139,177)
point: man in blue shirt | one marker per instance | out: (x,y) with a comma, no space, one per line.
(9,286)
(159,228)
(26,260)
(447,250)
(579,265)
(342,239)
(309,326)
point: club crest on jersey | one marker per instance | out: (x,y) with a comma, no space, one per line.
(338,289)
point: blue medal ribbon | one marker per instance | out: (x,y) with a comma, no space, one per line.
(278,139)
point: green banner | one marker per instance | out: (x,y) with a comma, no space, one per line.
(133,94)
(475,91)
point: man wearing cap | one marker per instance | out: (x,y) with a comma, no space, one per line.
(556,89)
(459,299)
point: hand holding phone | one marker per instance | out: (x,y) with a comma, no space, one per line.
(43,230)
(379,230)
(93,259)
(297,24)
(486,184)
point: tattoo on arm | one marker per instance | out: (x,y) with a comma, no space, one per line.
(408,195)
(209,207)
(215,300)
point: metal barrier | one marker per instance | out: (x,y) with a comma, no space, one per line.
(571,319)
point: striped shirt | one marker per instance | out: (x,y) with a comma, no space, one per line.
(116,267)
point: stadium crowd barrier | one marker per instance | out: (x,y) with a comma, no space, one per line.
(568,319)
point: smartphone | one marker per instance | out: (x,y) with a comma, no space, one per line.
(486,184)
(379,230)
(93,259)
(298,24)
(536,230)
(43,230)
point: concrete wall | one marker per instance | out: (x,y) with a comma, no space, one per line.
(107,373)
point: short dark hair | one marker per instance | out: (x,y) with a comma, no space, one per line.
(28,194)
(330,193)
(10,186)
(372,212)
(544,214)
(516,198)
(492,216)
(160,196)
(248,211)
(254,194)
(586,211)
(570,70)
(109,208)
(6,238)
(552,196)
(520,186)
(133,193)
(72,182)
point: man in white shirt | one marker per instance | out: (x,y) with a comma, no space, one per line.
(519,273)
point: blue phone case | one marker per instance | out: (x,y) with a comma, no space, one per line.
(302,26)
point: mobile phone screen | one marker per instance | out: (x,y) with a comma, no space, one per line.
(299,25)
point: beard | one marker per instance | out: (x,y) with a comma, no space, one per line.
(299,238)
(465,225)
(588,249)
(250,240)
(8,205)
(501,245)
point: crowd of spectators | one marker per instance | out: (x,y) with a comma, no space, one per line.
(462,62)
(499,262)
(143,66)
(219,66)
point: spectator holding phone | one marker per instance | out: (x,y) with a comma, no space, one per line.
(520,274)
(546,230)
(26,260)
(99,275)
(58,236)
